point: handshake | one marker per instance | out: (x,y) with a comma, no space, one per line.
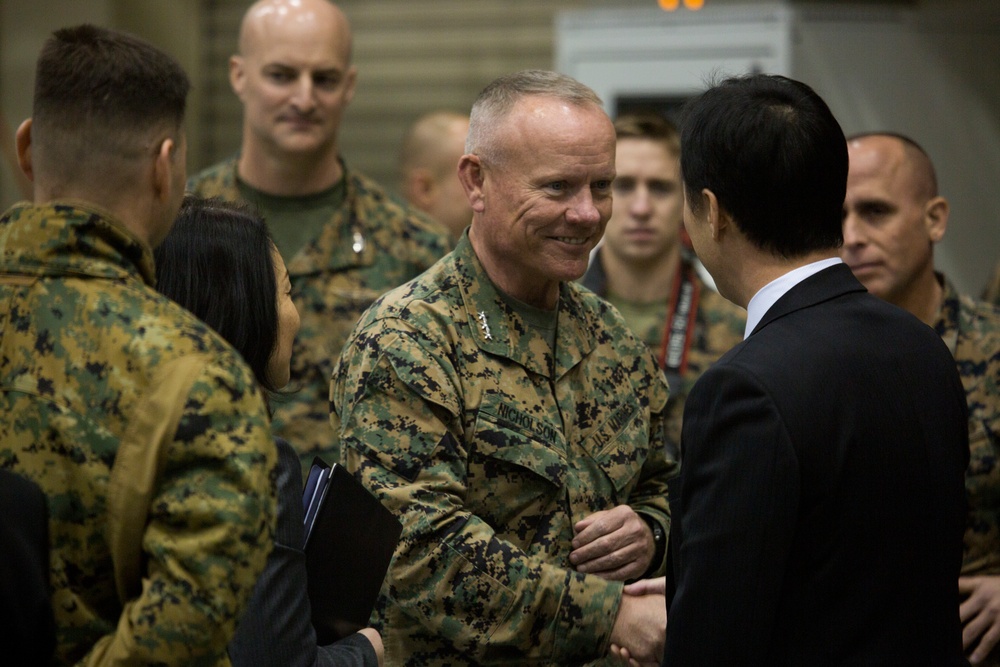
(617,544)
(641,627)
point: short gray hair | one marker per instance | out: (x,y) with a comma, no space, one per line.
(500,97)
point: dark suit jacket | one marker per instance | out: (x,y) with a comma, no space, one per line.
(27,624)
(821,502)
(277,626)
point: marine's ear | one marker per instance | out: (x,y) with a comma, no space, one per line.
(22,142)
(472,175)
(936,218)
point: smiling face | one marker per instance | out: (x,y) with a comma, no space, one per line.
(542,208)
(891,220)
(293,75)
(645,222)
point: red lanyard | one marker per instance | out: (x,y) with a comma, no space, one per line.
(678,330)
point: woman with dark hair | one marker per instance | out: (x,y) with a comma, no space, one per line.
(219,262)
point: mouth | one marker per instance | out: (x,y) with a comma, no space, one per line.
(572,240)
(298,121)
(862,267)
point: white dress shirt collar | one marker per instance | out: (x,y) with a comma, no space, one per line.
(767,295)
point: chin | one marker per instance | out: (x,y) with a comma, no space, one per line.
(569,274)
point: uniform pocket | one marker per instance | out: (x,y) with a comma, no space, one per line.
(620,445)
(513,476)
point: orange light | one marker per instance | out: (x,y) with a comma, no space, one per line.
(669,5)
(694,4)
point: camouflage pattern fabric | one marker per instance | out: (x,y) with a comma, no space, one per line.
(489,448)
(719,325)
(972,332)
(87,350)
(369,247)
(992,291)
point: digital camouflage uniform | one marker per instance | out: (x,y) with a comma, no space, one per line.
(369,247)
(971,331)
(719,325)
(93,362)
(992,291)
(457,416)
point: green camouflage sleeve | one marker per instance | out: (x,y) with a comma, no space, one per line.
(210,525)
(452,574)
(650,496)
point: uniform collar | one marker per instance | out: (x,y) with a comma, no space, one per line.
(71,237)
(500,331)
(344,242)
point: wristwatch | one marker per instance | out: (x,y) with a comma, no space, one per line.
(659,543)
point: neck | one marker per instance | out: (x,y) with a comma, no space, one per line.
(764,267)
(647,282)
(923,298)
(543,295)
(288,175)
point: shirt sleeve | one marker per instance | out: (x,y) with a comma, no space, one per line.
(210,523)
(650,496)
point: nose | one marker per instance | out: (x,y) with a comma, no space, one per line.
(639,205)
(853,230)
(584,210)
(302,96)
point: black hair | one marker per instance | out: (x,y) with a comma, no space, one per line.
(92,73)
(775,157)
(101,93)
(217,263)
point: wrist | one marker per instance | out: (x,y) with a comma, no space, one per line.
(659,536)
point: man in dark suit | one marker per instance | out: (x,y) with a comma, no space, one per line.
(821,501)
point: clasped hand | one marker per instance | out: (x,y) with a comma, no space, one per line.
(980,613)
(640,630)
(613,544)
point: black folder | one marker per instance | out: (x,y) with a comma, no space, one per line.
(349,541)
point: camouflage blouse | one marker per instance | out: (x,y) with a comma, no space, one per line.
(971,331)
(489,446)
(93,361)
